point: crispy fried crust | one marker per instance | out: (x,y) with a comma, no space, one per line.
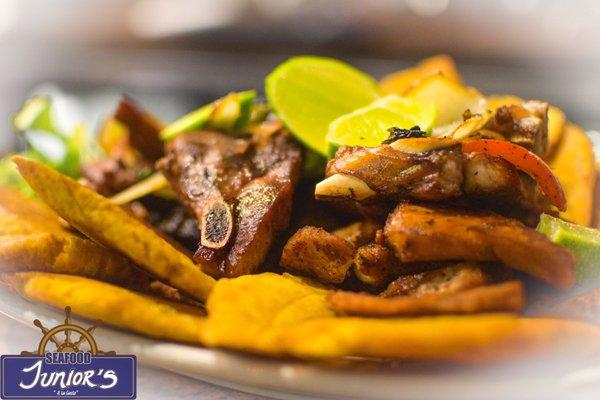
(376,265)
(68,254)
(110,225)
(111,304)
(359,233)
(420,233)
(451,279)
(315,252)
(507,296)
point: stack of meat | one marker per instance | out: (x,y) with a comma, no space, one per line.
(441,230)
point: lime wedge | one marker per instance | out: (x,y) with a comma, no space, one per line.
(307,93)
(369,126)
(583,242)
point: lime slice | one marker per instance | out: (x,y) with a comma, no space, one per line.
(583,242)
(307,93)
(369,126)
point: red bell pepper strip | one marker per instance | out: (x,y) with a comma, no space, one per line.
(524,160)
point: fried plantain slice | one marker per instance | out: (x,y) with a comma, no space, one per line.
(399,82)
(68,254)
(574,166)
(276,315)
(102,221)
(285,316)
(451,279)
(111,304)
(507,296)
(15,206)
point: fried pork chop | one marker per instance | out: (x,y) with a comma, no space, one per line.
(450,279)
(315,252)
(381,175)
(428,233)
(240,190)
(390,173)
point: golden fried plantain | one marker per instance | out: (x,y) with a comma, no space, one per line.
(507,296)
(399,82)
(68,254)
(596,207)
(574,165)
(109,224)
(15,205)
(278,315)
(111,304)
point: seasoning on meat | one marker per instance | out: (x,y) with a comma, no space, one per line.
(427,233)
(450,279)
(318,253)
(239,188)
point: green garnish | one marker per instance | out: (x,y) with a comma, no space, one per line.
(583,242)
(47,143)
(231,112)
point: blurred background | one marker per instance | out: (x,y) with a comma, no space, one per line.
(173,55)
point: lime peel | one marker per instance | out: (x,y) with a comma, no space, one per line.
(582,241)
(307,93)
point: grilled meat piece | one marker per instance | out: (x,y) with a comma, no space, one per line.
(394,174)
(143,128)
(495,184)
(315,252)
(450,279)
(376,265)
(419,233)
(131,157)
(172,219)
(525,124)
(118,171)
(359,233)
(367,180)
(508,296)
(251,180)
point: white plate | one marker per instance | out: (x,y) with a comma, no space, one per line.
(356,379)
(359,379)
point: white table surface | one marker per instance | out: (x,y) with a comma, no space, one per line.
(152,383)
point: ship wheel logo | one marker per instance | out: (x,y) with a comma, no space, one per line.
(60,339)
